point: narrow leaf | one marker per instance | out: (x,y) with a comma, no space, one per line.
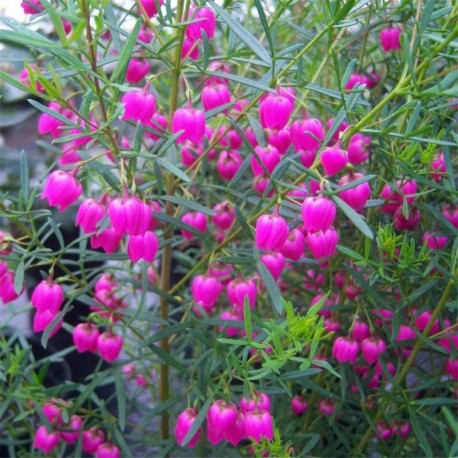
(120,70)
(354,217)
(272,288)
(248,38)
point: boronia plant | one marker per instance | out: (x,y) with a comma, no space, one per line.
(240,236)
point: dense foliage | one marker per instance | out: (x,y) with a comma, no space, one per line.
(253,215)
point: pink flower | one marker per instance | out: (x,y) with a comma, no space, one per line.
(271,232)
(390,39)
(240,288)
(92,439)
(184,423)
(137,70)
(139,106)
(294,246)
(85,337)
(224,215)
(345,349)
(360,331)
(238,432)
(327,407)
(214,96)
(230,316)
(260,401)
(90,213)
(109,346)
(275,111)
(107,450)
(358,149)
(142,246)
(372,348)
(192,122)
(108,240)
(44,440)
(258,424)
(204,20)
(228,164)
(323,244)
(269,157)
(128,214)
(61,189)
(298,405)
(76,425)
(434,242)
(42,320)
(318,213)
(7,290)
(190,49)
(333,160)
(150,6)
(222,415)
(274,262)
(205,290)
(197,220)
(48,295)
(280,139)
(357,196)
(32,6)
(307,134)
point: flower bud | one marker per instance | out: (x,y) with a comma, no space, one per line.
(61,189)
(333,160)
(307,134)
(197,220)
(275,111)
(345,349)
(44,440)
(192,122)
(85,337)
(271,232)
(318,213)
(48,295)
(184,423)
(390,39)
(137,70)
(138,106)
(298,405)
(258,424)
(205,20)
(109,346)
(321,244)
(92,439)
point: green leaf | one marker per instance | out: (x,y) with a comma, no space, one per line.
(354,217)
(173,169)
(242,80)
(52,113)
(120,70)
(56,21)
(25,178)
(265,25)
(236,260)
(420,433)
(247,319)
(192,205)
(272,288)
(19,278)
(121,398)
(248,38)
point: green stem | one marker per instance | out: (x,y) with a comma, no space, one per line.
(182,7)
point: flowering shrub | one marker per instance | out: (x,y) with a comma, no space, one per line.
(264,216)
